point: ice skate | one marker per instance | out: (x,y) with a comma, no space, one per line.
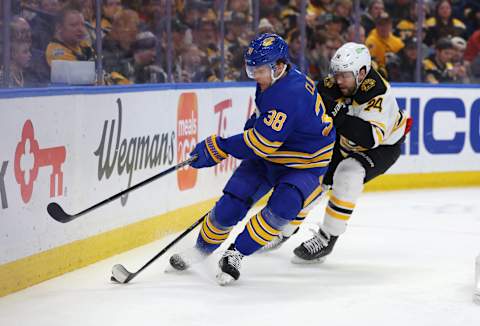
(315,249)
(275,244)
(229,266)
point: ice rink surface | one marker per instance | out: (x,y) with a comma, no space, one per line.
(406,259)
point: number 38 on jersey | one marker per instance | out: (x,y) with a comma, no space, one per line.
(275,119)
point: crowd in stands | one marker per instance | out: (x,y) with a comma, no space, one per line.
(141,45)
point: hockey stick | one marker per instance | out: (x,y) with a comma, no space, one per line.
(58,214)
(121,275)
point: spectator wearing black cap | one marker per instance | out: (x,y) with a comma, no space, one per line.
(144,52)
(438,68)
(381,40)
(401,67)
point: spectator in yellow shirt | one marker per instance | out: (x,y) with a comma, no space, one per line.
(381,41)
(69,41)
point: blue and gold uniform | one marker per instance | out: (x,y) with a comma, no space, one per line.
(286,146)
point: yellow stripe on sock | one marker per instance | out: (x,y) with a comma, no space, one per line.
(342,203)
(254,236)
(337,215)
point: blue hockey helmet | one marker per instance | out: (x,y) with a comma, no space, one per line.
(266,49)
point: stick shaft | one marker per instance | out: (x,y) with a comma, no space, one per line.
(69,218)
(171,244)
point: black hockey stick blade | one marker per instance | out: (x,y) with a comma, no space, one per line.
(58,214)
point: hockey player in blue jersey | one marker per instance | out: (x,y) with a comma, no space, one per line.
(287,145)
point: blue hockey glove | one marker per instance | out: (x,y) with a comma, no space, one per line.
(208,153)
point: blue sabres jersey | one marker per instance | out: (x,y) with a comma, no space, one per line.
(291,128)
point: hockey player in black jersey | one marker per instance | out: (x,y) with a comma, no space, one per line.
(370,130)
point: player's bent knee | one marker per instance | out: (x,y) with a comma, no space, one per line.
(228,211)
(286,201)
(348,177)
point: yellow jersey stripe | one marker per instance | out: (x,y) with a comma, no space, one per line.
(337,215)
(304,155)
(284,160)
(319,104)
(379,135)
(265,141)
(308,165)
(258,144)
(379,125)
(402,122)
(253,148)
(341,203)
(295,222)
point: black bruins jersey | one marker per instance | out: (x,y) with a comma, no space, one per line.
(373,102)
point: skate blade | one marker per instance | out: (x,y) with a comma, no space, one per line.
(299,261)
(224,279)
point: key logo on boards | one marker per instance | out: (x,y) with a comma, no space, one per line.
(187,138)
(29,158)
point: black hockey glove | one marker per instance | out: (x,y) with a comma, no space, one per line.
(338,113)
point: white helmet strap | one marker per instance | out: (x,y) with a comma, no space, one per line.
(274,79)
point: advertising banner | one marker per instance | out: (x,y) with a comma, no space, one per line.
(78,149)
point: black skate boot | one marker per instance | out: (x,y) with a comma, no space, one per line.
(315,249)
(229,266)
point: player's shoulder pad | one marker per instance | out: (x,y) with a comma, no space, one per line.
(372,86)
